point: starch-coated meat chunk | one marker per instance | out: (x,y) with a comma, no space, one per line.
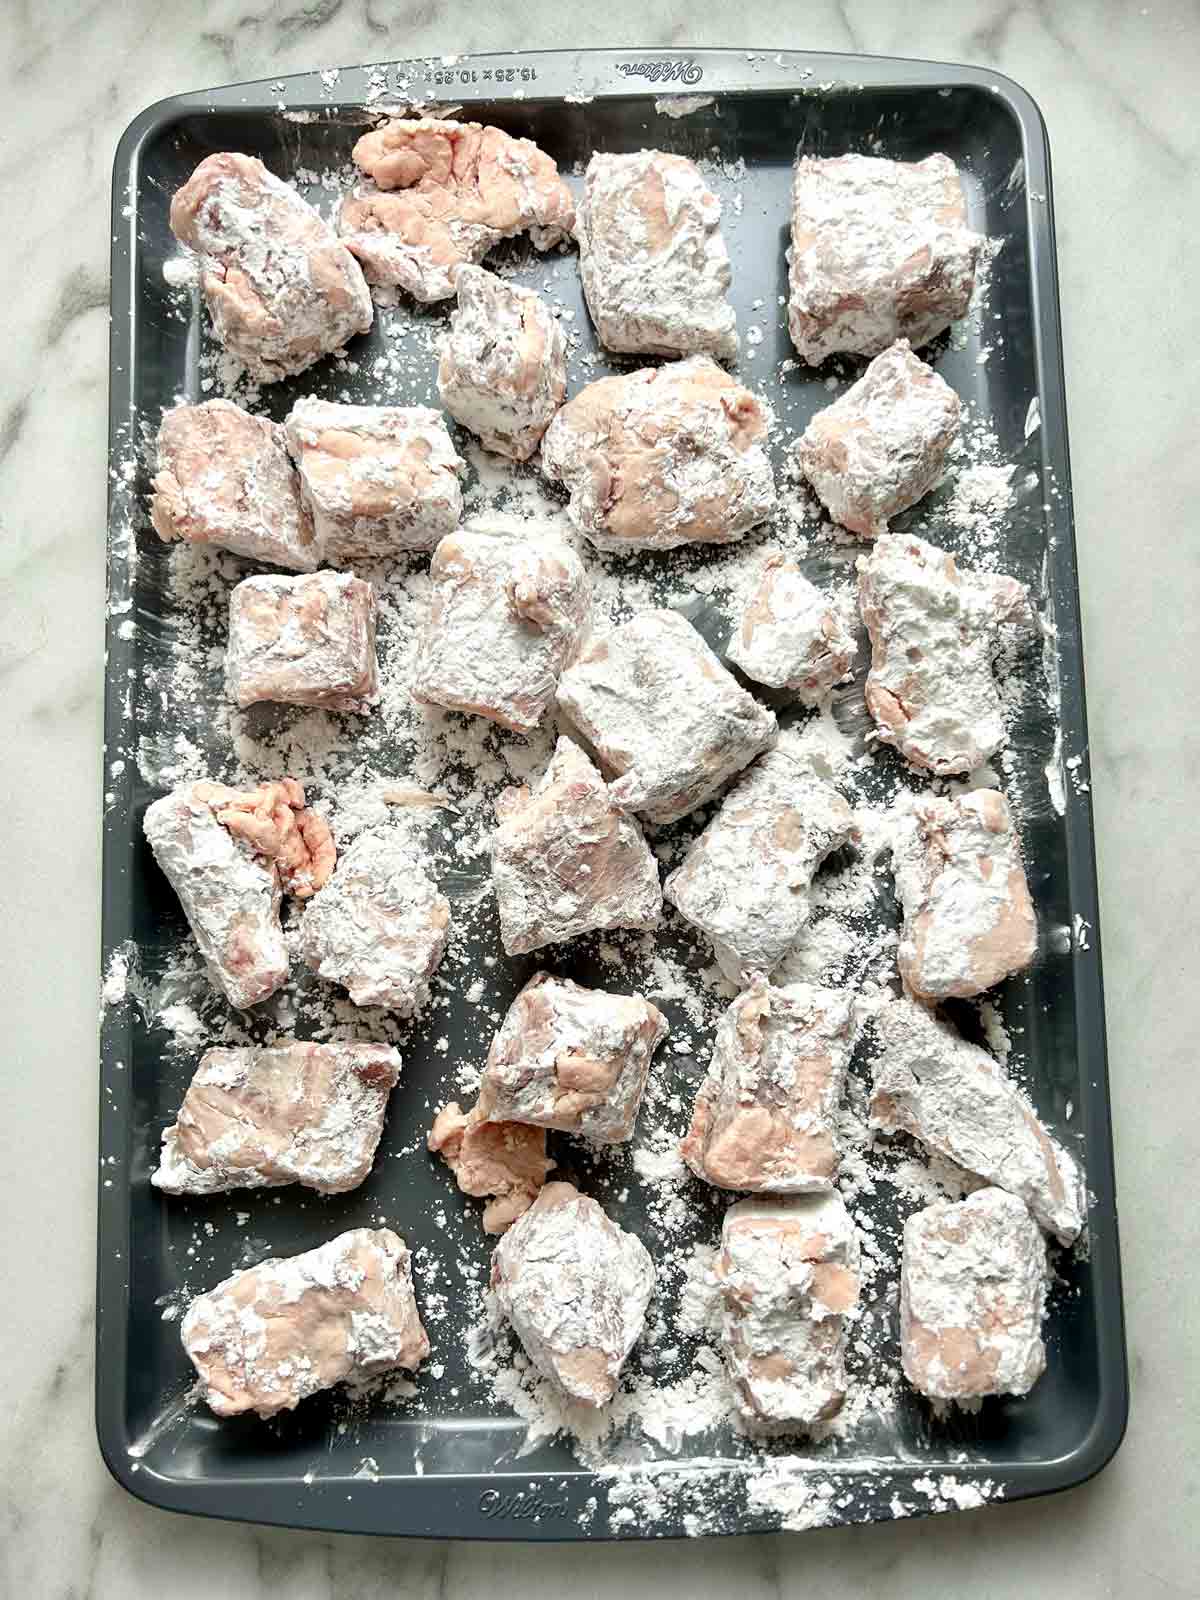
(307,641)
(790,636)
(502,1162)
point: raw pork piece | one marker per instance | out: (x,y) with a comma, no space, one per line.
(504,1162)
(443,194)
(880,251)
(745,881)
(509,611)
(281,288)
(572,1058)
(654,266)
(968,917)
(306,641)
(566,859)
(664,716)
(575,1288)
(292,1112)
(379,927)
(230,855)
(765,1115)
(503,369)
(265,1339)
(934,632)
(972,1292)
(875,451)
(960,1103)
(791,637)
(662,457)
(378,481)
(225,478)
(788,1271)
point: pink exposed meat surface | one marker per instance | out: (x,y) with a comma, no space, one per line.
(880,251)
(505,1161)
(293,1112)
(443,194)
(572,1058)
(566,859)
(765,1116)
(306,641)
(663,457)
(791,637)
(282,290)
(224,478)
(265,1339)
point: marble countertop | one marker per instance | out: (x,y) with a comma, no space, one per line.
(1117,86)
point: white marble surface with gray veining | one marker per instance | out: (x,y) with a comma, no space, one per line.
(1118,85)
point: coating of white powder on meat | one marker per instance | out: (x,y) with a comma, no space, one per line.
(307,641)
(654,266)
(791,635)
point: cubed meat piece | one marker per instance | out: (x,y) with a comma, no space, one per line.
(230,855)
(880,251)
(968,919)
(508,614)
(225,478)
(503,369)
(935,630)
(789,1276)
(961,1104)
(265,1339)
(882,446)
(567,860)
(745,881)
(765,1118)
(654,266)
(662,457)
(575,1288)
(668,722)
(378,481)
(572,1058)
(791,636)
(502,1162)
(306,641)
(281,288)
(442,194)
(379,927)
(255,1118)
(972,1292)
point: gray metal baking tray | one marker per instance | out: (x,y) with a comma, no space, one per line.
(452,1470)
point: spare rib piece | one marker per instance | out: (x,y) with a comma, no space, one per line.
(281,288)
(503,368)
(379,927)
(934,631)
(572,1058)
(664,716)
(791,637)
(566,859)
(961,1104)
(662,457)
(508,614)
(504,1160)
(972,1292)
(788,1271)
(443,194)
(230,856)
(880,251)
(378,481)
(575,1288)
(654,266)
(265,1339)
(306,641)
(765,1115)
(968,918)
(745,881)
(255,1118)
(224,478)
(875,451)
